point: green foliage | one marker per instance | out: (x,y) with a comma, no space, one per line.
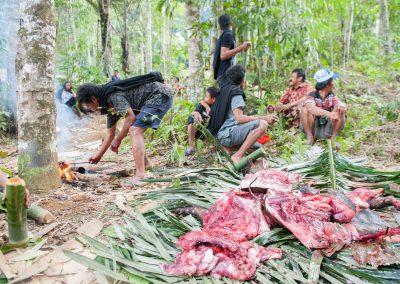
(4,120)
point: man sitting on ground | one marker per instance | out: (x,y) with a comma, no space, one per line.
(200,115)
(291,102)
(323,116)
(143,106)
(229,123)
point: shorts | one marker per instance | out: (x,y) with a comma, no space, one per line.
(322,131)
(239,134)
(150,116)
(199,134)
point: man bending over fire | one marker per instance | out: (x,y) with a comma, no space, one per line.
(142,101)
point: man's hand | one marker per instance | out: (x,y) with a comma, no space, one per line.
(245,46)
(333,115)
(282,107)
(342,108)
(115,145)
(271,119)
(95,158)
(197,117)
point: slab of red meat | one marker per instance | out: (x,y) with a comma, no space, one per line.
(196,261)
(237,213)
(270,180)
(307,217)
(361,196)
(343,209)
(204,252)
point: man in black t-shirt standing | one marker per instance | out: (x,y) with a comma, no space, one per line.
(228,49)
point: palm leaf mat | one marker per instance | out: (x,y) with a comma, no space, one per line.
(136,248)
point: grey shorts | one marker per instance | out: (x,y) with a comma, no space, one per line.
(239,134)
(150,116)
(321,131)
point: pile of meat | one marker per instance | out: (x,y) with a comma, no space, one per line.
(268,199)
(222,247)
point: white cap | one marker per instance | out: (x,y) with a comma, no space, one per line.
(324,75)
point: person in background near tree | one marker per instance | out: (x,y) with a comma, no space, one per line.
(66,95)
(323,115)
(200,115)
(116,76)
(142,107)
(294,96)
(238,129)
(226,50)
(178,88)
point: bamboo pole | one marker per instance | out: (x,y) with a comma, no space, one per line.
(331,165)
(253,156)
(16,212)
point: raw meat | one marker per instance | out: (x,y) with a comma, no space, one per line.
(369,224)
(361,196)
(343,209)
(270,180)
(221,247)
(307,216)
(238,213)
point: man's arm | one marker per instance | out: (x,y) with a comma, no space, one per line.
(227,53)
(242,118)
(104,146)
(314,110)
(130,118)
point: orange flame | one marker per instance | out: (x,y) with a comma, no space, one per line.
(65,171)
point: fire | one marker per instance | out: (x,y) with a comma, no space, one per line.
(65,171)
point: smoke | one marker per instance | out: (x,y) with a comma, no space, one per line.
(8,48)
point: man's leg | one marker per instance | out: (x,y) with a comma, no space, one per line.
(337,125)
(307,121)
(250,140)
(137,136)
(191,136)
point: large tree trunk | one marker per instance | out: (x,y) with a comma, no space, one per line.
(36,110)
(149,51)
(384,28)
(164,34)
(195,47)
(347,35)
(104,12)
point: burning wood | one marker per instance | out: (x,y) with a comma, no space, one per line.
(65,171)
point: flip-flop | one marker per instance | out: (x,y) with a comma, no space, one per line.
(129,184)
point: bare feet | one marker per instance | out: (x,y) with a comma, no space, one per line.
(310,140)
(147,164)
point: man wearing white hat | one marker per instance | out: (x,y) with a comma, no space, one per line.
(323,115)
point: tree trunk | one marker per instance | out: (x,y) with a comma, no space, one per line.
(385,28)
(149,51)
(104,12)
(36,110)
(125,43)
(195,47)
(348,35)
(164,33)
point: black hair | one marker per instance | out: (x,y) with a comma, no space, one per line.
(224,21)
(322,85)
(87,91)
(213,91)
(176,78)
(116,70)
(65,84)
(236,74)
(300,73)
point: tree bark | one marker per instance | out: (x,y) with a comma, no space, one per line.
(36,111)
(195,47)
(385,28)
(104,12)
(149,51)
(164,33)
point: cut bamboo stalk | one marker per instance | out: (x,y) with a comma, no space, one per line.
(331,165)
(16,212)
(253,156)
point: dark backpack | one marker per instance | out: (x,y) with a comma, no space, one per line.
(217,55)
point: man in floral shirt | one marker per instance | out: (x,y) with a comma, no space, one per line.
(294,96)
(323,115)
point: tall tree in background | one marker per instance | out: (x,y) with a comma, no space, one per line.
(384,28)
(103,8)
(36,110)
(195,48)
(149,46)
